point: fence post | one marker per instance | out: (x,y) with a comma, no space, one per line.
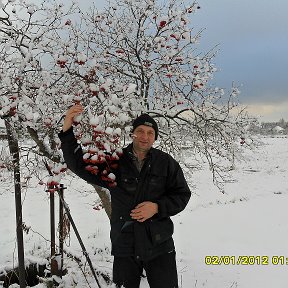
(15,153)
(54,264)
(61,232)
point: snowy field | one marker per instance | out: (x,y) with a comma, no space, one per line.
(248,225)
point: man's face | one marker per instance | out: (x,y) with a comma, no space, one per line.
(145,138)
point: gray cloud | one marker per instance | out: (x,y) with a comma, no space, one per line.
(253,38)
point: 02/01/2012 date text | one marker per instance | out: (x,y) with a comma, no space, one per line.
(246,260)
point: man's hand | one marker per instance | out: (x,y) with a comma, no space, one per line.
(144,211)
(71,113)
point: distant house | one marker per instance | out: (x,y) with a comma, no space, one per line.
(278,130)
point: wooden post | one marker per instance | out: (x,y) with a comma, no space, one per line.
(14,152)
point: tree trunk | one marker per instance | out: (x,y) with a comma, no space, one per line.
(14,152)
(105,199)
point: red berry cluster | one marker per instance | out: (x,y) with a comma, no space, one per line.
(101,152)
(98,207)
(55,178)
(9,107)
(61,61)
(102,163)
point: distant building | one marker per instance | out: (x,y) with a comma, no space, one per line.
(278,130)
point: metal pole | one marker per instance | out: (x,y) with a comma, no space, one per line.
(61,232)
(54,264)
(67,210)
(84,251)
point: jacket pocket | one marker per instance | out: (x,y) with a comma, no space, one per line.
(128,184)
(157,185)
(122,234)
(161,230)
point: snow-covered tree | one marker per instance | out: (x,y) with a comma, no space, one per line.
(132,57)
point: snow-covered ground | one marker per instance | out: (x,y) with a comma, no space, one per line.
(251,219)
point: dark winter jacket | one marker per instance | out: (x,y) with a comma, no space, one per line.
(160,181)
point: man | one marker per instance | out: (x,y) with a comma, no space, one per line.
(150,188)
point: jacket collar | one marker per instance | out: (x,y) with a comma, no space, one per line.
(129,151)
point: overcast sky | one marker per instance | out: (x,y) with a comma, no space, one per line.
(253,38)
(253,50)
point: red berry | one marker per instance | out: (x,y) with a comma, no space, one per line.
(68,22)
(162,23)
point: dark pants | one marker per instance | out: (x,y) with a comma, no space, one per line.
(161,271)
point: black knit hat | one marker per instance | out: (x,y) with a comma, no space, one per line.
(146,120)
